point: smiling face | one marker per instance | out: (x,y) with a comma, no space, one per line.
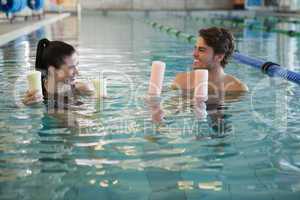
(68,71)
(204,56)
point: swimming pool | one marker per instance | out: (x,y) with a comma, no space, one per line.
(111,149)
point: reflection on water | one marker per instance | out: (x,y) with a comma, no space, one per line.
(124,145)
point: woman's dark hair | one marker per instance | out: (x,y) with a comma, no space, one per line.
(220,40)
(51,53)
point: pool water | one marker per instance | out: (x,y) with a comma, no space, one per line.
(126,147)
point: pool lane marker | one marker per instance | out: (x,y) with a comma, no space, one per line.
(269,68)
(240,24)
(264,18)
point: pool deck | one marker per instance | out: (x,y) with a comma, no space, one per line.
(19,27)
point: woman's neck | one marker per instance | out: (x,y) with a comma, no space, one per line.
(50,85)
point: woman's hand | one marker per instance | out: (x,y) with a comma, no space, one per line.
(84,89)
(32,97)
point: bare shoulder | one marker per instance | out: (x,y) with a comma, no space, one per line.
(233,84)
(183,75)
(183,81)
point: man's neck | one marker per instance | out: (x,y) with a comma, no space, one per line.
(216,73)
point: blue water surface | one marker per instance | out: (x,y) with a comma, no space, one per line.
(121,148)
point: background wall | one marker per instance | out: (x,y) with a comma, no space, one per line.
(156,4)
(71,5)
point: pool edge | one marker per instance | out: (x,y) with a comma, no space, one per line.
(9,36)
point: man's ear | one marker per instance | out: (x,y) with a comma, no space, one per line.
(219,57)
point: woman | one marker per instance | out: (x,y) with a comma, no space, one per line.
(57,61)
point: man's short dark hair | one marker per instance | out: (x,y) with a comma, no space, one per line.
(220,40)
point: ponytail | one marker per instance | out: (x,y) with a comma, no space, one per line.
(51,53)
(39,64)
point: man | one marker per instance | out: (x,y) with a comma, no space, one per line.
(213,48)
